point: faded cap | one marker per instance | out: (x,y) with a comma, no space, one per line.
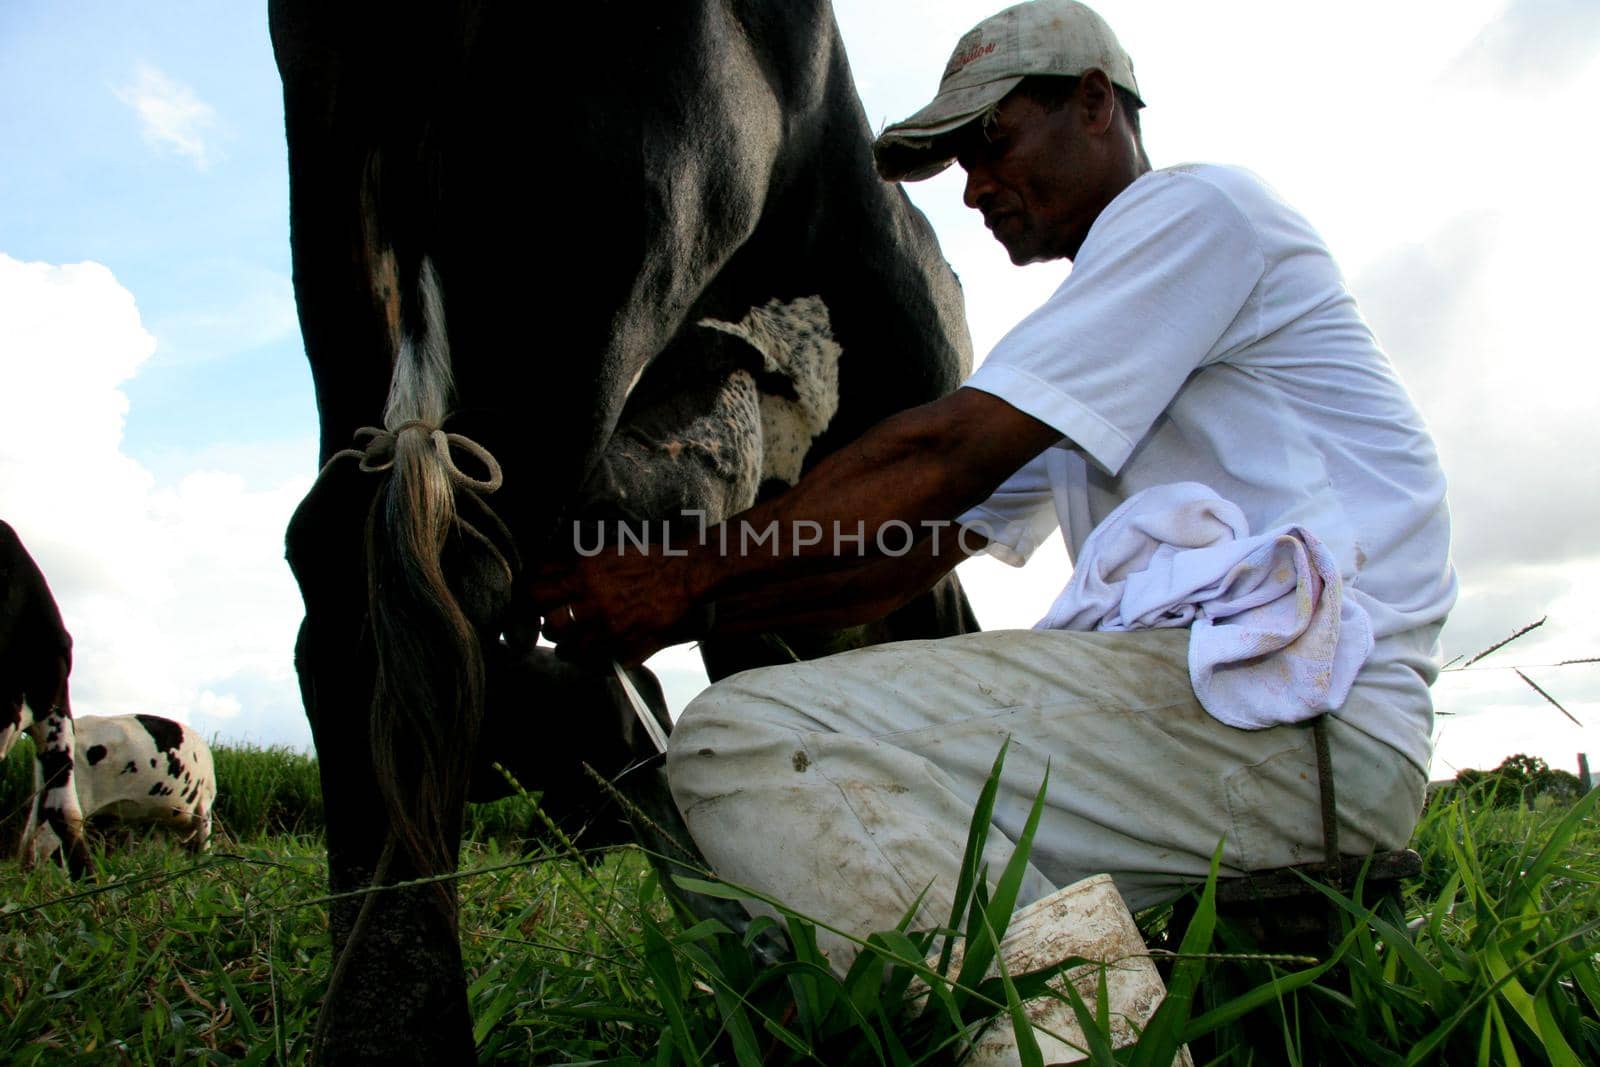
(1060,37)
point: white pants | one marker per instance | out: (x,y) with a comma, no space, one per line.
(844,786)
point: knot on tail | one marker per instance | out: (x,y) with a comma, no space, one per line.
(377,456)
(378,453)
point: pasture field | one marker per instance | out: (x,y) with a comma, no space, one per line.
(169,958)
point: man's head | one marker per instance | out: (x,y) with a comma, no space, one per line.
(1040,106)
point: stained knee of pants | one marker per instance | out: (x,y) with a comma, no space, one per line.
(846,829)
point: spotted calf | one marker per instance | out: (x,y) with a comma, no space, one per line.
(35,659)
(138,769)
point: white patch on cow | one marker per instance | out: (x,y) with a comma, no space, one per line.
(422,383)
(121,773)
(633,383)
(795,340)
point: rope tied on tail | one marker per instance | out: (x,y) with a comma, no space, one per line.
(377,456)
(378,453)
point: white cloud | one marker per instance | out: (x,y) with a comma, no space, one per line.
(209,705)
(63,366)
(1532,45)
(176,595)
(171,116)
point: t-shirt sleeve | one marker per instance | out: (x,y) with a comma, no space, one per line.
(1166,269)
(1019,515)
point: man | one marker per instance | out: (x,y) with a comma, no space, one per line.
(1204,336)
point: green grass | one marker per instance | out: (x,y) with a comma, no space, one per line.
(219,960)
(264,792)
(1492,961)
(171,959)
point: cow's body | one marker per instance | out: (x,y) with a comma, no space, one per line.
(138,769)
(697,161)
(35,659)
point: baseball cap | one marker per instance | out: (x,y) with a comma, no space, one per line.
(1060,37)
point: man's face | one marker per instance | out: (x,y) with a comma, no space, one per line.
(1031,172)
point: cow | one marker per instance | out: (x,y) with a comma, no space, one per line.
(695,181)
(35,659)
(137,769)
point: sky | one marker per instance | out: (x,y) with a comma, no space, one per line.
(160,424)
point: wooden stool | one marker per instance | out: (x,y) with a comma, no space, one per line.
(1281,912)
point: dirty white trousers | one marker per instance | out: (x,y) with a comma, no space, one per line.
(844,786)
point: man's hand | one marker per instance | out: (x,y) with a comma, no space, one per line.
(622,604)
(928,463)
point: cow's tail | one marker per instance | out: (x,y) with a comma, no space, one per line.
(429,694)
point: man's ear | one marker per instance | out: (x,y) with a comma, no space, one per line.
(1096,101)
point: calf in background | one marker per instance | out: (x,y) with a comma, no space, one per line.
(137,769)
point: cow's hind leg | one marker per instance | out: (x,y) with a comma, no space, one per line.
(395,950)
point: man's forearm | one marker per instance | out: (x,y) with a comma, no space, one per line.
(926,465)
(852,592)
(923,466)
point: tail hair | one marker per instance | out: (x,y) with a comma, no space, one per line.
(429,695)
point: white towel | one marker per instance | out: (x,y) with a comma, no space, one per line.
(1273,639)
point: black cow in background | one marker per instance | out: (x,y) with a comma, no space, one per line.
(603,261)
(35,659)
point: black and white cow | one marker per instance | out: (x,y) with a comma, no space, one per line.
(35,659)
(137,769)
(725,291)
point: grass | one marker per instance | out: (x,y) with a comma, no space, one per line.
(171,959)
(266,791)
(1492,959)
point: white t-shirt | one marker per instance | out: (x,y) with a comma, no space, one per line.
(1206,335)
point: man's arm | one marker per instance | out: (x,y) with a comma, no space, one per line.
(925,465)
(855,591)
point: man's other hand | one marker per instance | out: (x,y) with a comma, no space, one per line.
(622,604)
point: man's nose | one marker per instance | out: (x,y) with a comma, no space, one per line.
(979,185)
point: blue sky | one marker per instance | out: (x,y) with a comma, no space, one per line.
(192,222)
(162,421)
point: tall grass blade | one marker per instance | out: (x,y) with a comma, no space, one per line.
(996,913)
(1007,889)
(1549,1031)
(1432,980)
(898,1056)
(1028,1052)
(1508,1047)
(663,967)
(1498,645)
(1555,847)
(972,858)
(1163,1033)
(1540,690)
(1095,1025)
